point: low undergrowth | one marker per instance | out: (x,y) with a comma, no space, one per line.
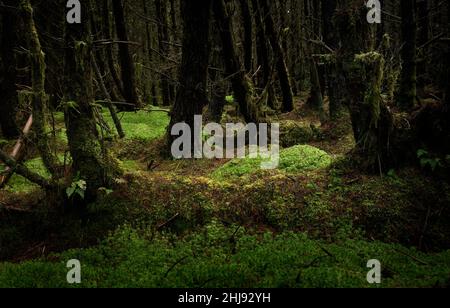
(313,222)
(218,256)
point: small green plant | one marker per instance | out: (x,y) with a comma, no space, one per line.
(230,99)
(426,160)
(78,187)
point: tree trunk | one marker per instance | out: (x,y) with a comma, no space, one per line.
(9,101)
(422,39)
(163,39)
(248,34)
(89,158)
(109,49)
(154,98)
(315,100)
(332,71)
(126,61)
(265,79)
(363,74)
(279,54)
(192,95)
(408,79)
(242,85)
(40,98)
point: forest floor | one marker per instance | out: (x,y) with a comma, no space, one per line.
(314,222)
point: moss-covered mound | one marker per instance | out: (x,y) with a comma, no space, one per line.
(294,133)
(296,159)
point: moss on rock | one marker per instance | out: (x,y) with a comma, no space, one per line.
(296,159)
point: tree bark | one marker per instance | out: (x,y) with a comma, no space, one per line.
(153,93)
(265,76)
(280,58)
(40,98)
(248,34)
(109,49)
(9,101)
(408,79)
(126,61)
(89,158)
(241,83)
(163,39)
(25,172)
(192,94)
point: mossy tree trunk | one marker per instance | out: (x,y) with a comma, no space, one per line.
(408,79)
(192,94)
(90,161)
(9,101)
(40,98)
(363,76)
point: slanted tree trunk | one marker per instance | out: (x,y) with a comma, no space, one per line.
(8,101)
(241,83)
(90,161)
(408,79)
(192,94)
(109,103)
(126,61)
(40,98)
(280,58)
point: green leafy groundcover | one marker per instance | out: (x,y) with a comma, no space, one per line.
(296,159)
(231,257)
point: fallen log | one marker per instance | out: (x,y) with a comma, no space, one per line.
(25,172)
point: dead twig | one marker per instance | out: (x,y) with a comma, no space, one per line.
(168,222)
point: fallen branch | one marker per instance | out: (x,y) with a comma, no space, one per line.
(168,222)
(13,208)
(6,174)
(25,172)
(108,101)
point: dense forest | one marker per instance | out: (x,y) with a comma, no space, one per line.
(135,134)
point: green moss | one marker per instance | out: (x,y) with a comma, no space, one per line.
(141,125)
(130,165)
(208,259)
(296,159)
(230,99)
